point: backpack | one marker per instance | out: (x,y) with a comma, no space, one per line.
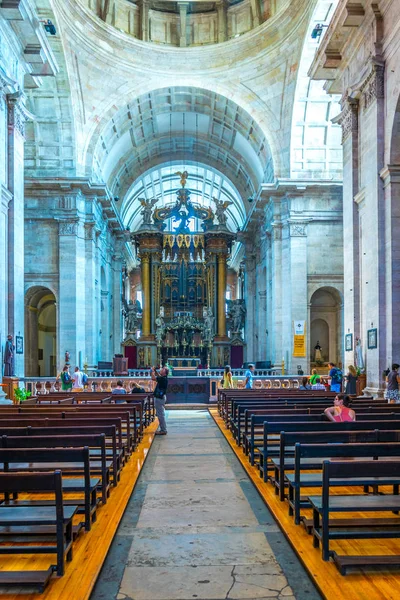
(337,376)
(66,377)
(85,379)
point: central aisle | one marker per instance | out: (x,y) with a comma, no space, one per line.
(195,527)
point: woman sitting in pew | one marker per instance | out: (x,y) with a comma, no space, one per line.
(341,411)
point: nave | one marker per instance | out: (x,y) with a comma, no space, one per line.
(195,527)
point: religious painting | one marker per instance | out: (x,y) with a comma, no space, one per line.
(372,338)
(349,342)
(19,344)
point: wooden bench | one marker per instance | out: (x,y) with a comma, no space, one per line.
(285,461)
(71,460)
(312,456)
(19,518)
(325,504)
(277,427)
(112,447)
(95,442)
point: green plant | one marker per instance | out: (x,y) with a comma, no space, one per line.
(22,394)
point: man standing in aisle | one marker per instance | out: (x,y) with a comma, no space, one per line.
(77,385)
(249,377)
(160,398)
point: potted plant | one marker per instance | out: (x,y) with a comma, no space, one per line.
(21,394)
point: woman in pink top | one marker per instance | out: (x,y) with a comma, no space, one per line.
(341,410)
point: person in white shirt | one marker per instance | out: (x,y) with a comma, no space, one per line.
(318,385)
(77,385)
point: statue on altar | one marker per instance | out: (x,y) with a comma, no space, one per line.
(147,210)
(183,175)
(131,314)
(238,315)
(318,358)
(209,321)
(160,329)
(220,210)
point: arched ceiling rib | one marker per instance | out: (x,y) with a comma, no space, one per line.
(189,123)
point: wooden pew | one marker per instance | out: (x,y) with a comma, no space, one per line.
(19,518)
(312,456)
(325,504)
(277,427)
(71,460)
(285,460)
(112,445)
(95,442)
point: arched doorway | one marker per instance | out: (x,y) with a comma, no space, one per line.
(326,325)
(40,332)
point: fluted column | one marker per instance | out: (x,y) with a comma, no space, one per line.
(15,234)
(221,295)
(146,316)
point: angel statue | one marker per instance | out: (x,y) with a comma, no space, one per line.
(220,210)
(183,175)
(147,209)
(131,315)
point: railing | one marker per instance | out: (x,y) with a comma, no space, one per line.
(276,371)
(51,385)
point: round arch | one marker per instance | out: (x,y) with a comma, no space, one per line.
(326,324)
(40,332)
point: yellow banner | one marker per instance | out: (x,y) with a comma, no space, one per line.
(299,345)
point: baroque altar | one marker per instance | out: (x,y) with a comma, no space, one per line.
(185,319)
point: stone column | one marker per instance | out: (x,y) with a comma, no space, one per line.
(351,227)
(15,233)
(222,20)
(391,180)
(91,326)
(221,295)
(31,342)
(183,8)
(298,287)
(371,199)
(146,293)
(71,304)
(116,297)
(249,294)
(276,293)
(144,20)
(255,12)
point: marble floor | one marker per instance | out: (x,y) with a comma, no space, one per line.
(195,527)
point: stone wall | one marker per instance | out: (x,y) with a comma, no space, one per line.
(295,250)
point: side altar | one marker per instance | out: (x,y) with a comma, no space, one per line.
(185,319)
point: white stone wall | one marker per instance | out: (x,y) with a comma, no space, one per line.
(77,244)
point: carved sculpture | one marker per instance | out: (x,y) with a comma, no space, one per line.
(147,210)
(220,210)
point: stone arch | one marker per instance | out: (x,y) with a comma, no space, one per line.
(326,320)
(41,340)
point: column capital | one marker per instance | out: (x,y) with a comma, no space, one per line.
(68,227)
(373,87)
(348,118)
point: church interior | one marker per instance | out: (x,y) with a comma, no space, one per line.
(198,205)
